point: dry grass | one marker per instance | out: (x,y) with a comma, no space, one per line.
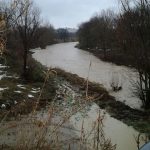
(44,134)
(2,34)
(35,133)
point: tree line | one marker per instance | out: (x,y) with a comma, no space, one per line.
(98,33)
(25,30)
(122,38)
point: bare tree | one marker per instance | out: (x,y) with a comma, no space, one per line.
(98,32)
(45,35)
(135,21)
(2,34)
(106,29)
(4,17)
(63,34)
(26,24)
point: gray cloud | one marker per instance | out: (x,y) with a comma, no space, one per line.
(69,13)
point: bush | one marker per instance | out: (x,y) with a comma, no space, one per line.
(35,71)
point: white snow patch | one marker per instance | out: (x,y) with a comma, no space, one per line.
(13,76)
(30,96)
(2,76)
(21,86)
(34,91)
(17,91)
(1,66)
(3,106)
(2,89)
(15,102)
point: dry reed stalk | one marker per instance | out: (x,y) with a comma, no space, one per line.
(87,81)
(2,34)
(47,76)
(140,138)
(44,125)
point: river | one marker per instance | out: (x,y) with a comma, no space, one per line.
(71,59)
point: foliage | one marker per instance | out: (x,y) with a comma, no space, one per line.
(35,71)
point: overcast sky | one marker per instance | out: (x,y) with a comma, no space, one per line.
(70,13)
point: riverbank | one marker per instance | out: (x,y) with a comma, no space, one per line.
(21,100)
(114,56)
(19,96)
(96,93)
(138,119)
(15,90)
(76,61)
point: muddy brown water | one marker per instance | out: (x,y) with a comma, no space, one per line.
(71,59)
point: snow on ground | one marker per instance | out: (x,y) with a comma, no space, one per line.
(2,89)
(12,77)
(30,96)
(21,86)
(35,90)
(2,72)
(114,128)
(1,66)
(17,91)
(2,76)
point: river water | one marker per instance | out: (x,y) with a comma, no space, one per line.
(71,59)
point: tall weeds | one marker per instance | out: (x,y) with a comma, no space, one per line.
(34,133)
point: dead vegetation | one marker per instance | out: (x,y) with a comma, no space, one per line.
(33,132)
(37,139)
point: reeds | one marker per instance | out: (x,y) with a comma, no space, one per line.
(35,133)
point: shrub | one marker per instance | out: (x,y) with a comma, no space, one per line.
(35,71)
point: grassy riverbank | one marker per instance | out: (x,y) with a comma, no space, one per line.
(21,96)
(114,56)
(138,119)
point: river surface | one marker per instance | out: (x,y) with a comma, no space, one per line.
(71,59)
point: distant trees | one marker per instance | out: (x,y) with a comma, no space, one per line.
(66,35)
(44,35)
(98,32)
(62,34)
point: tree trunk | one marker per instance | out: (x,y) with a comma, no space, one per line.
(25,56)
(104,49)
